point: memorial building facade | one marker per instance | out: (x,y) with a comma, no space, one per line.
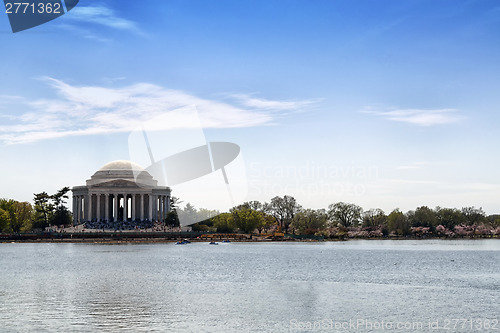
(120,191)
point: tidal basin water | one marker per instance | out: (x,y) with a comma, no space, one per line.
(354,286)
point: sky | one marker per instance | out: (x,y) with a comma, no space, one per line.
(385,104)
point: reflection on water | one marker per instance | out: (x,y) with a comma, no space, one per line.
(253,287)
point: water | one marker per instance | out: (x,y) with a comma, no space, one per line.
(355,286)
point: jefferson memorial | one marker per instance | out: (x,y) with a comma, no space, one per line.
(120,191)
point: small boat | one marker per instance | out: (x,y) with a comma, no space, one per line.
(186,241)
(226,241)
(213,243)
(182,242)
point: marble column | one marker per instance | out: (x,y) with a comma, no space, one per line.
(125,207)
(74,209)
(158,201)
(77,215)
(98,204)
(80,208)
(106,207)
(90,207)
(117,202)
(142,207)
(150,212)
(133,206)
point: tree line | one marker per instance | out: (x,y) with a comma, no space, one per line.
(343,219)
(339,220)
(46,210)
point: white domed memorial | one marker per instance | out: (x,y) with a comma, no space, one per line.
(120,191)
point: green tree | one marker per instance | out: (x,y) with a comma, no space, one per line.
(310,221)
(269,222)
(374,217)
(473,215)
(4,221)
(494,220)
(9,206)
(44,210)
(398,223)
(20,215)
(255,205)
(449,217)
(422,217)
(224,223)
(60,214)
(172,220)
(24,216)
(247,220)
(345,214)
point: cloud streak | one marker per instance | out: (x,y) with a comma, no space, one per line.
(419,117)
(93,110)
(266,104)
(101,15)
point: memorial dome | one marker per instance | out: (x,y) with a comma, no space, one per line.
(121,165)
(122,170)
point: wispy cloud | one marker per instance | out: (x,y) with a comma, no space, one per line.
(7,99)
(265,104)
(102,15)
(90,110)
(88,21)
(420,117)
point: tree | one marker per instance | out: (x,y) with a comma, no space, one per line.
(247,220)
(4,221)
(60,215)
(449,217)
(398,223)
(172,220)
(255,205)
(174,202)
(345,214)
(283,210)
(19,215)
(24,216)
(43,210)
(310,221)
(374,218)
(224,223)
(494,220)
(204,214)
(473,215)
(8,206)
(188,215)
(422,217)
(269,222)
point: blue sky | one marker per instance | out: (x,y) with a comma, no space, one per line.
(380,103)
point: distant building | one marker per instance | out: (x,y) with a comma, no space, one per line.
(120,191)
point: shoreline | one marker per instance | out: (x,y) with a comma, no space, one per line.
(163,238)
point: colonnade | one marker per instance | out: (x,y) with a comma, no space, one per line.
(120,206)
